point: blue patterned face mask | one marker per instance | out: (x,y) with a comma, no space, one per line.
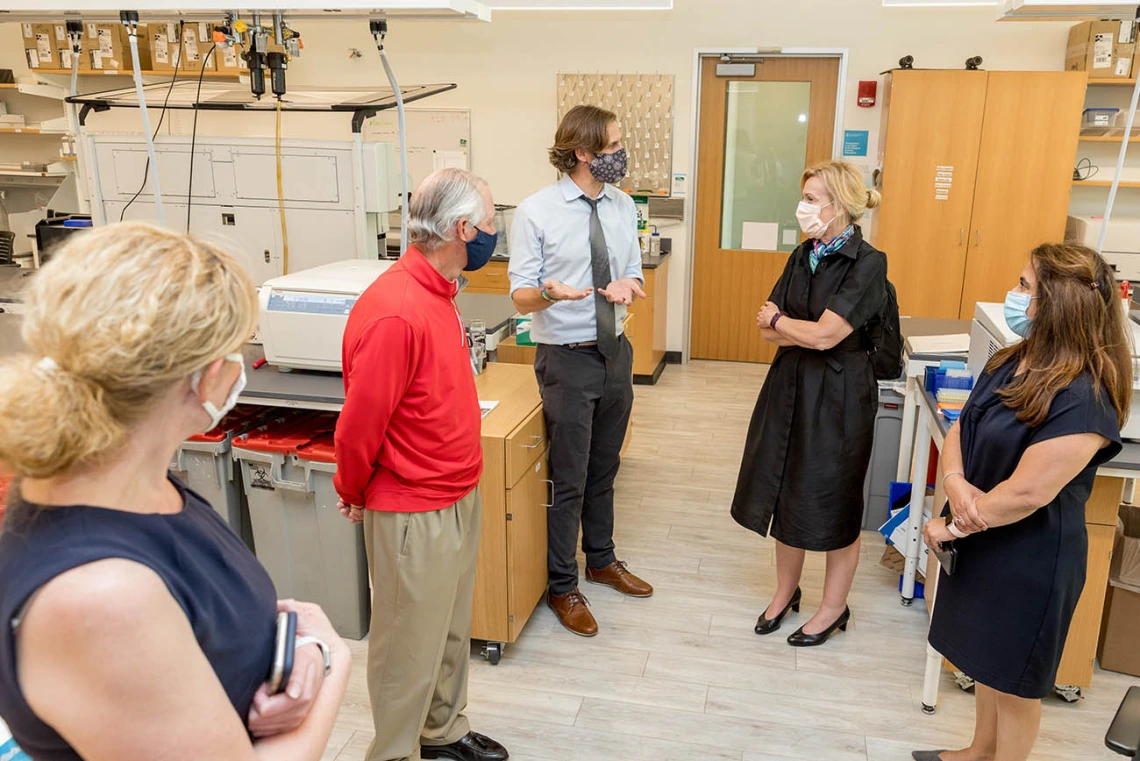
(1017,312)
(610,167)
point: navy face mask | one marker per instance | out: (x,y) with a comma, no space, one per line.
(480,250)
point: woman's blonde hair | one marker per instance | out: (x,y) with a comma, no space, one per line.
(118,317)
(845,185)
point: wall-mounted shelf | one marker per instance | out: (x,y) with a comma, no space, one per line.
(183,73)
(1108,138)
(1104,184)
(1112,82)
(8,85)
(31,129)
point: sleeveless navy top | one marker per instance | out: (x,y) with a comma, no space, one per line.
(226,594)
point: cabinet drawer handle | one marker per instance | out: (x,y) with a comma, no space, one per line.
(537,442)
(550,484)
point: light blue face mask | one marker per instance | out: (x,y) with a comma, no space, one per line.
(1017,312)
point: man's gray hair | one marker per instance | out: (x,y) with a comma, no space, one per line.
(441,200)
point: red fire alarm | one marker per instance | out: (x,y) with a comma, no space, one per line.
(867,92)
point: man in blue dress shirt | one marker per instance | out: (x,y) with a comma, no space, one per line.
(576,266)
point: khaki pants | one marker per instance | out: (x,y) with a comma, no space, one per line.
(423,578)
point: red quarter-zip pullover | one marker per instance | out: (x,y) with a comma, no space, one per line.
(408,439)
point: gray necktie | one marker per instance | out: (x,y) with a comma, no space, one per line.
(600,260)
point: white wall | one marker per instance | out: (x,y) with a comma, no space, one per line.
(506,69)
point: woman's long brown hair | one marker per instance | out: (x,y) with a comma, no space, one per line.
(1079,328)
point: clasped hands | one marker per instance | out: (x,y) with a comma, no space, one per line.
(767,313)
(963,497)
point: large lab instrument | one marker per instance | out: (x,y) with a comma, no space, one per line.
(337,195)
(989,334)
(303,315)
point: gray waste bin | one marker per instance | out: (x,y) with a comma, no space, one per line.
(311,551)
(205,464)
(884,458)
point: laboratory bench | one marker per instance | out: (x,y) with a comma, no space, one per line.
(1077,661)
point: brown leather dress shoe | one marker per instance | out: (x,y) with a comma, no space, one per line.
(617,575)
(573,614)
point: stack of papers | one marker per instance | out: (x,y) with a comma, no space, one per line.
(957,343)
(486,407)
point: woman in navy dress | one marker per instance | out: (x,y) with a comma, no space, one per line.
(133,623)
(1019,466)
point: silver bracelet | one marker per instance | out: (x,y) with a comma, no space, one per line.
(955,473)
(302,641)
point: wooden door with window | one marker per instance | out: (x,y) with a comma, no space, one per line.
(757,135)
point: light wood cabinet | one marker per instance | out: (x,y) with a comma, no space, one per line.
(511,575)
(647,333)
(976,170)
(491,278)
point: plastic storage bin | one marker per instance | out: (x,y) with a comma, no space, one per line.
(884,459)
(1100,118)
(311,551)
(205,464)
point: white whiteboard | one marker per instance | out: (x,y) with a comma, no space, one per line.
(437,137)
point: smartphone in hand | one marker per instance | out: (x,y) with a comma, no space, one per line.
(286,641)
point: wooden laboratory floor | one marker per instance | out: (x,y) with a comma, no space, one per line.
(681,676)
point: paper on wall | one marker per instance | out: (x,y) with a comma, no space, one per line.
(759,236)
(448,160)
(791,237)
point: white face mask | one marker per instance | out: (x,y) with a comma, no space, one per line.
(216,414)
(808,216)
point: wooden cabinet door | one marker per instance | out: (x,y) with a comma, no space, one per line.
(933,130)
(1025,176)
(527,503)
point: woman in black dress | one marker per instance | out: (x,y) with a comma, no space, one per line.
(809,442)
(1019,466)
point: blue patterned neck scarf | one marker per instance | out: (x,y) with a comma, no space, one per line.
(821,250)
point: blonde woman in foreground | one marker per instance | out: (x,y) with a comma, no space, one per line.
(136,624)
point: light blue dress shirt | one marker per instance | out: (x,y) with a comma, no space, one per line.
(550,238)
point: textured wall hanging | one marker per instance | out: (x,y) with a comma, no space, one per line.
(644,107)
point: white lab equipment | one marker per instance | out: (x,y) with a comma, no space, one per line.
(303,315)
(337,195)
(989,334)
(1121,243)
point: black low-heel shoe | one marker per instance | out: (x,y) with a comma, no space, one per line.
(765,626)
(799,639)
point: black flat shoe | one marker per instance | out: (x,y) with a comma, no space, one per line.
(765,626)
(471,747)
(799,639)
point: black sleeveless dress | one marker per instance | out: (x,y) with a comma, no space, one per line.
(226,594)
(1003,617)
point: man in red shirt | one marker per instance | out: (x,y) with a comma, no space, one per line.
(409,459)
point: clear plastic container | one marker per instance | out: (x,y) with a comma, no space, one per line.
(1100,118)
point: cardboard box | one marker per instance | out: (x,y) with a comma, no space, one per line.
(39,49)
(107,47)
(183,48)
(1120,623)
(1105,49)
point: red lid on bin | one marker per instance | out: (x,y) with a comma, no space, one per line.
(5,484)
(285,437)
(240,420)
(320,449)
